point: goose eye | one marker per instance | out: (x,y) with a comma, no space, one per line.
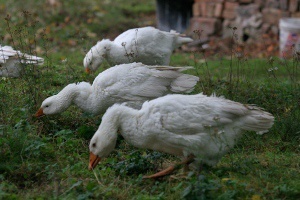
(47,106)
(94,145)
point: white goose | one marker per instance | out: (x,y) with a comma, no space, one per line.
(195,127)
(133,83)
(147,45)
(12,61)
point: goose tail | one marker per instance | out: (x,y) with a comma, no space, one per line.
(258,120)
(183,40)
(185,83)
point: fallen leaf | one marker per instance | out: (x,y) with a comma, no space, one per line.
(72,42)
(255,197)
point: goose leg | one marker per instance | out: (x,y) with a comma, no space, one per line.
(170,169)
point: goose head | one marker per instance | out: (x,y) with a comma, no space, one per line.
(96,55)
(57,103)
(101,145)
(104,140)
(52,105)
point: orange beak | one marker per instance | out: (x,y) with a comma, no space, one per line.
(94,160)
(39,113)
(87,70)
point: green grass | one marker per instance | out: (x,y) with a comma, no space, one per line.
(47,158)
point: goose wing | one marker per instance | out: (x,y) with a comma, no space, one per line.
(126,36)
(135,81)
(193,114)
(7,52)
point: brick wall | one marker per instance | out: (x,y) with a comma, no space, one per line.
(252,18)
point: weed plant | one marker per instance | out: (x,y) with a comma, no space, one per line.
(47,158)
